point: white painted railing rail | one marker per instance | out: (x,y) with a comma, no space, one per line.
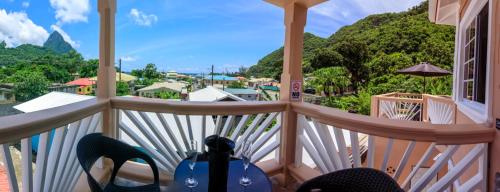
(52,165)
(420,156)
(164,128)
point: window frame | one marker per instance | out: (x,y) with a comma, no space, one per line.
(478,112)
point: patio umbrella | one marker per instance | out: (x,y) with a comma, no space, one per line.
(424,69)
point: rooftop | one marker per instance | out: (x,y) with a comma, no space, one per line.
(241,91)
(221,78)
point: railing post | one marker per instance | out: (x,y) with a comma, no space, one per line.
(374,108)
(106,80)
(295,20)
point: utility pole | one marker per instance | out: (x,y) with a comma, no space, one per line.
(120,68)
(212,75)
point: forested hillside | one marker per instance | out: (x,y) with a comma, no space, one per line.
(32,69)
(368,53)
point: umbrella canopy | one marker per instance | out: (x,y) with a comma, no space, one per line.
(424,69)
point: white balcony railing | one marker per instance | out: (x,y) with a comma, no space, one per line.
(327,140)
(413,153)
(56,132)
(165,129)
(414,107)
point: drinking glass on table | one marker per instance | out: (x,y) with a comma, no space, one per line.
(191,182)
(246,155)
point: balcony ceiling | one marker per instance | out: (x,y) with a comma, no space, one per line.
(307,3)
(444,11)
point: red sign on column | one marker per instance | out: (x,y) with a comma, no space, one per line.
(296,90)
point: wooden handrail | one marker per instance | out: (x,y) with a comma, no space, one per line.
(197,108)
(15,127)
(398,129)
(399,99)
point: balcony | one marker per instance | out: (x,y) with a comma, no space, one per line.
(413,138)
(419,155)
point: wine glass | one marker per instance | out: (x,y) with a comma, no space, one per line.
(191,182)
(246,153)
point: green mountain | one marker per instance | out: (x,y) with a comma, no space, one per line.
(56,43)
(21,54)
(374,48)
(271,65)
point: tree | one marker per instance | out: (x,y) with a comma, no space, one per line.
(236,85)
(122,88)
(151,72)
(331,79)
(29,84)
(89,68)
(3,45)
(326,57)
(167,95)
(139,73)
(354,55)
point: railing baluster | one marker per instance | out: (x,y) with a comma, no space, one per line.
(310,149)
(203,132)
(425,158)
(66,149)
(27,159)
(227,126)
(151,137)
(249,130)
(429,174)
(261,141)
(323,154)
(262,127)
(218,124)
(239,127)
(344,156)
(54,154)
(159,157)
(76,169)
(172,155)
(356,154)
(458,170)
(11,173)
(404,160)
(183,134)
(171,135)
(189,127)
(387,154)
(66,166)
(330,146)
(264,151)
(41,161)
(371,151)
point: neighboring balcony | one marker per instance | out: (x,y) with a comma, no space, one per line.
(419,155)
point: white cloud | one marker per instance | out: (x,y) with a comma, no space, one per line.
(25,4)
(71,11)
(16,29)
(128,58)
(65,36)
(143,19)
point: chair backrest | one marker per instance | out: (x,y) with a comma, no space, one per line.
(93,146)
(352,180)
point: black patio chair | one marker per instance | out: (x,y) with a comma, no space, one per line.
(93,146)
(352,180)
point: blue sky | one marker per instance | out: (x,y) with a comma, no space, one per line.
(181,35)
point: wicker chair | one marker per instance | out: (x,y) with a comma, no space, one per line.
(93,146)
(352,180)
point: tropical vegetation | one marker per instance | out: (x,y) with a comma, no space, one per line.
(370,52)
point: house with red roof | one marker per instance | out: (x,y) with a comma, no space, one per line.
(85,85)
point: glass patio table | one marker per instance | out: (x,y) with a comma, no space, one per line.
(260,181)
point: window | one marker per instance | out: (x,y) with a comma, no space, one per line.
(475,58)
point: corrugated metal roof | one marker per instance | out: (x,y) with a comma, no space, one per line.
(174,86)
(221,78)
(212,94)
(241,91)
(50,100)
